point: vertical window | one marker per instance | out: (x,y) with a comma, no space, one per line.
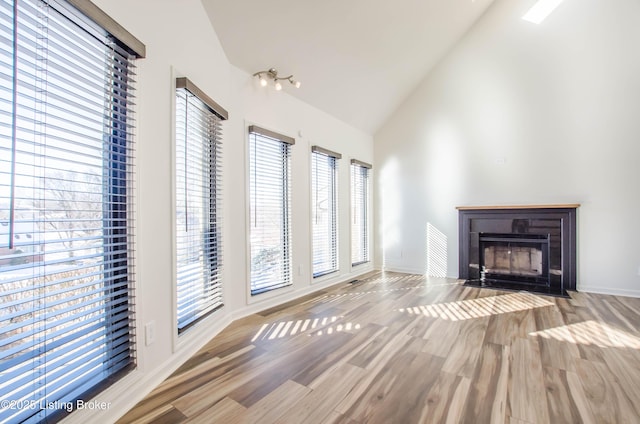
(359,212)
(66,218)
(324,193)
(270,200)
(198,204)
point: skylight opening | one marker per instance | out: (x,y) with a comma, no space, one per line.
(541,10)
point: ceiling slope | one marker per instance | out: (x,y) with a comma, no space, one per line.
(357,59)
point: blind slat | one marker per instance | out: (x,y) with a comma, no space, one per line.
(324,211)
(359,212)
(198,206)
(270,199)
(66,217)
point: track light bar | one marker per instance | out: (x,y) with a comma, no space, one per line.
(272,74)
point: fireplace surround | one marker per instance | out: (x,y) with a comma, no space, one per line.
(530,248)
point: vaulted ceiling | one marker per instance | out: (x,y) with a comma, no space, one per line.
(357,59)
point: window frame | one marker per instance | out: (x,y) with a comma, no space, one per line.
(361,256)
(210,273)
(261,136)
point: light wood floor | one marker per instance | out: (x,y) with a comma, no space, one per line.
(398,348)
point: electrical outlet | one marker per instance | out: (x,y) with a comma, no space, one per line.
(149,333)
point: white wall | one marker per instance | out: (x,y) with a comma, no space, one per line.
(180,41)
(287,115)
(520,113)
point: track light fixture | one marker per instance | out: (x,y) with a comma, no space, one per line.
(272,74)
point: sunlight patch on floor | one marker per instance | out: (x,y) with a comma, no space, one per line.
(481,307)
(591,333)
(314,326)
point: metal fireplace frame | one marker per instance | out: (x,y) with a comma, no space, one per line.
(476,220)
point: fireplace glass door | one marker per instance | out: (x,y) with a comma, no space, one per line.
(514,257)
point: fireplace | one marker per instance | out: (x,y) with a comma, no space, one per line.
(519,248)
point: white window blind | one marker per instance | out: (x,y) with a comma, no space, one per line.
(359,212)
(270,200)
(198,204)
(66,208)
(324,193)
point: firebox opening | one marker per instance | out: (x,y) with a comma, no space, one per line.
(521,258)
(513,260)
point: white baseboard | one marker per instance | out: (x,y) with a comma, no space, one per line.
(403,270)
(609,291)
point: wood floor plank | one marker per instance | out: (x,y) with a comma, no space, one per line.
(312,357)
(160,414)
(560,398)
(487,400)
(632,306)
(513,420)
(226,411)
(397,385)
(526,392)
(628,378)
(373,368)
(373,347)
(580,398)
(338,418)
(622,314)
(457,401)
(442,336)
(222,382)
(443,401)
(462,360)
(607,400)
(272,407)
(556,343)
(506,326)
(314,374)
(392,340)
(401,348)
(189,381)
(317,406)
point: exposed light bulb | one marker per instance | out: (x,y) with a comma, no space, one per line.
(263,81)
(297,84)
(278,86)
